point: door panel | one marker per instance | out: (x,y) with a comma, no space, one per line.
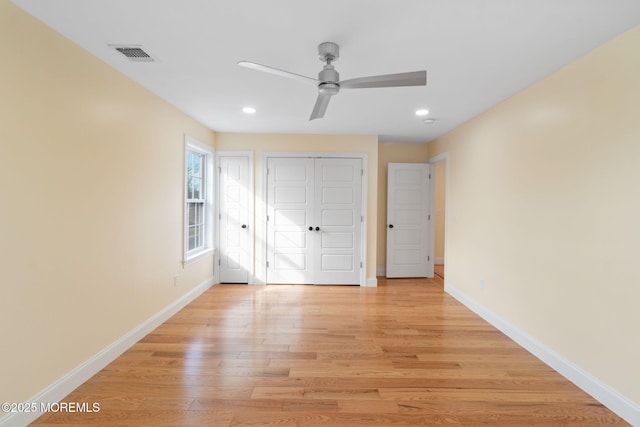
(337,263)
(337,240)
(408,220)
(235,257)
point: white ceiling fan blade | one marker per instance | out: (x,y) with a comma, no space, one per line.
(277,72)
(414,78)
(321,106)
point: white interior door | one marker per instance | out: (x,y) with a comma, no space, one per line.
(290,233)
(337,212)
(236,223)
(314,220)
(408,220)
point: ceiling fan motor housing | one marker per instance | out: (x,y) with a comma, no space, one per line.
(328,75)
(328,88)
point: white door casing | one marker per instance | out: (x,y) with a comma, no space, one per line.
(314,220)
(235,207)
(408,221)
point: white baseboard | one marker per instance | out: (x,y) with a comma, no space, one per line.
(381,272)
(65,385)
(372,282)
(616,402)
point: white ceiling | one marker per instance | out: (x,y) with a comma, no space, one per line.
(476,53)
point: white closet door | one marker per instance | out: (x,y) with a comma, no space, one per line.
(337,212)
(290,183)
(235,230)
(314,220)
(408,220)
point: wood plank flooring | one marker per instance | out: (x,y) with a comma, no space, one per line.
(402,354)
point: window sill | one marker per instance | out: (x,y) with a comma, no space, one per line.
(197,256)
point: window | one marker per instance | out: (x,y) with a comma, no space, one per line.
(198,227)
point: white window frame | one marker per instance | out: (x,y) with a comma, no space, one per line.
(191,144)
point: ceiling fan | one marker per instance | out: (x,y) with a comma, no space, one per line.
(328,81)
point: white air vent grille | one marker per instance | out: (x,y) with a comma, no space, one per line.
(134,53)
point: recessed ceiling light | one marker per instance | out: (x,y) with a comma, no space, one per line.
(248,110)
(429,121)
(422,112)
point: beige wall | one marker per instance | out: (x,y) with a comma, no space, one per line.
(262,143)
(439,210)
(392,153)
(544,207)
(91,183)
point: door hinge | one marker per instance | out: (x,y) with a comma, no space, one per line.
(267,218)
(361,219)
(267,264)
(428,258)
(429,175)
(267,171)
(361,172)
(219,170)
(219,262)
(219,216)
(360,264)
(429,217)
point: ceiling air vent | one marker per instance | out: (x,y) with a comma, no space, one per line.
(134,53)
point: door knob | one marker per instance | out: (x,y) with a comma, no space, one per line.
(317,228)
(310,228)
(244,225)
(390,225)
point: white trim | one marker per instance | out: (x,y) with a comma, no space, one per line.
(330,154)
(616,402)
(252,276)
(216,271)
(438,158)
(197,256)
(69,382)
(381,272)
(372,282)
(193,144)
(364,158)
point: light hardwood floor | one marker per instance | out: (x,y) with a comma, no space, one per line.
(404,353)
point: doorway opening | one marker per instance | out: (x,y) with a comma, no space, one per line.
(439,213)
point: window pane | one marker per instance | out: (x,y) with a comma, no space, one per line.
(197,165)
(190,157)
(195,218)
(200,214)
(192,238)
(197,238)
(197,190)
(191,213)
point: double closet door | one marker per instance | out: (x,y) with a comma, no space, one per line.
(314,220)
